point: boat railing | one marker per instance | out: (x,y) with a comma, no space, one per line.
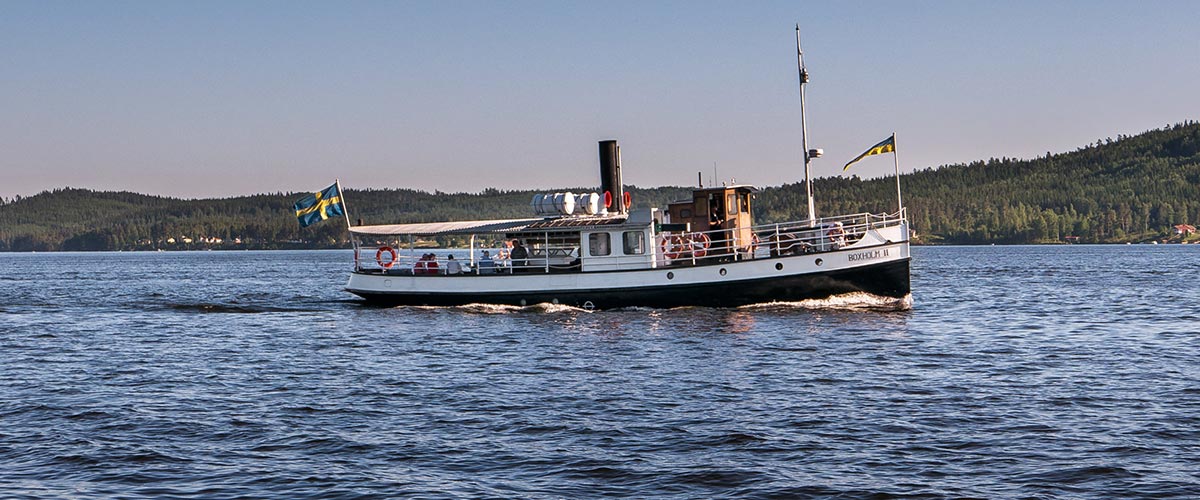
(674,248)
(384,259)
(773,240)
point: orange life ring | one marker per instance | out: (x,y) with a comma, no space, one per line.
(379,257)
(672,247)
(699,243)
(628,200)
(607,199)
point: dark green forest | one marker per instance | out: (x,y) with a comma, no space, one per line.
(1123,189)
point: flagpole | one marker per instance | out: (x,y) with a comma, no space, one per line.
(896,159)
(812,216)
(346,212)
(345,208)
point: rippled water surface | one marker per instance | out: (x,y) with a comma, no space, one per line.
(1019,372)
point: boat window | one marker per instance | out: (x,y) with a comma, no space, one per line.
(731,204)
(598,244)
(745,203)
(635,243)
(685,213)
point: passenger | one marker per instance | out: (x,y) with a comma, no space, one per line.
(419,267)
(486,265)
(452,266)
(519,254)
(501,260)
(837,236)
(432,265)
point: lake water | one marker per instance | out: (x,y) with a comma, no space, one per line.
(1041,372)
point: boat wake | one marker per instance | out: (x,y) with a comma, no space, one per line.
(233,308)
(855,301)
(543,308)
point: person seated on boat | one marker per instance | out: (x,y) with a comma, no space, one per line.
(501,260)
(518,256)
(452,266)
(419,266)
(486,265)
(431,267)
(836,235)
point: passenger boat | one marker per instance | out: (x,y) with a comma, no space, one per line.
(591,251)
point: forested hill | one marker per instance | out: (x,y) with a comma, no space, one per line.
(1124,189)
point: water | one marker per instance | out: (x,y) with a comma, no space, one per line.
(1037,372)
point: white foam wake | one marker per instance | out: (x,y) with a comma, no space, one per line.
(854,301)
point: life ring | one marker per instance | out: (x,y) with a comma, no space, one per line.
(699,243)
(628,200)
(607,199)
(672,247)
(379,257)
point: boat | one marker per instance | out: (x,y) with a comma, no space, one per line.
(594,251)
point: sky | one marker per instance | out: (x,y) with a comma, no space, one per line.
(220,99)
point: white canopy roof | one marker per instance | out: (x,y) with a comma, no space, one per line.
(436,228)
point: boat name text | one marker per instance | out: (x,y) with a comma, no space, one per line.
(872,254)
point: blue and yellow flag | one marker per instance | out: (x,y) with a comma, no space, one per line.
(319,206)
(887,146)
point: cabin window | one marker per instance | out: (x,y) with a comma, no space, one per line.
(745,203)
(635,243)
(598,244)
(685,214)
(731,204)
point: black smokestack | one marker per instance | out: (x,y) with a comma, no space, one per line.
(610,177)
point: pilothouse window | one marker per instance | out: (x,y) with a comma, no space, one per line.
(598,244)
(635,243)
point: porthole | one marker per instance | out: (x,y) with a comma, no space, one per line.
(722,271)
(670,275)
(778,266)
(555,301)
(522,302)
(819,262)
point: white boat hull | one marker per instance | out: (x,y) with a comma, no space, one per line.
(880,269)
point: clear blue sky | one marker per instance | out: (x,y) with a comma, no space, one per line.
(202,99)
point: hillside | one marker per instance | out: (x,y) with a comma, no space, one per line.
(1125,189)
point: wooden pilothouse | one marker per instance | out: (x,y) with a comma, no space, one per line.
(723,214)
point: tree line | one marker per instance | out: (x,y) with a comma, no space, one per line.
(1127,189)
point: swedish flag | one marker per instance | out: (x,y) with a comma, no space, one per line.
(319,206)
(887,146)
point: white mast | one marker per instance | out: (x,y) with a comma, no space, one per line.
(808,155)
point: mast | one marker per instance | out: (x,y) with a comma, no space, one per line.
(812,215)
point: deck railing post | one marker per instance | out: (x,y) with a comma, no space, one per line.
(778,241)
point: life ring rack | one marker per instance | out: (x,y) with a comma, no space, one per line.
(379,257)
